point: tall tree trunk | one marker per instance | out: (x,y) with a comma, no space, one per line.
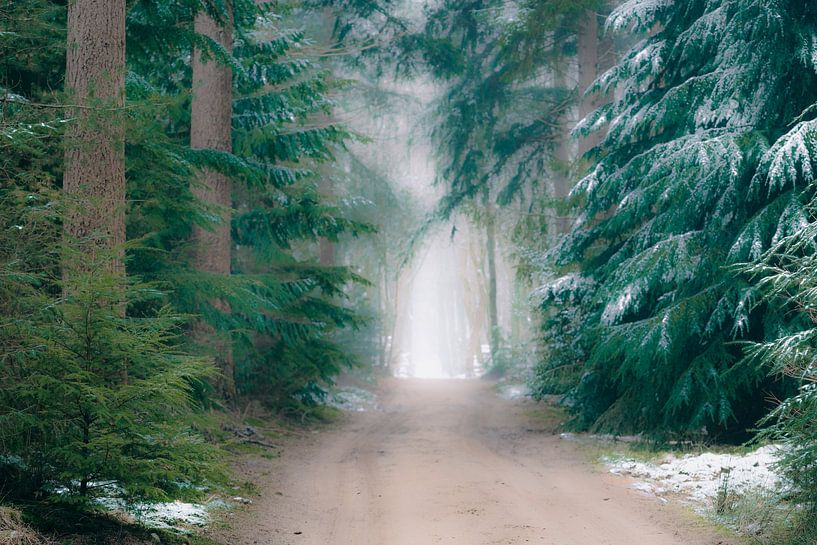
(326,190)
(211,128)
(563,157)
(94,179)
(493,309)
(595,56)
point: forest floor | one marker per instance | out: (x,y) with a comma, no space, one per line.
(449,462)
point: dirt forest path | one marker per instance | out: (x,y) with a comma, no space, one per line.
(449,462)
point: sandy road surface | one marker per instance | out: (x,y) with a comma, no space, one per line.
(449,462)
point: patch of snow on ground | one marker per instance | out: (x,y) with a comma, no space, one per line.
(353,399)
(172,514)
(175,515)
(699,478)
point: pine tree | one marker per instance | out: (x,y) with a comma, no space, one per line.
(283,127)
(282,309)
(785,276)
(649,302)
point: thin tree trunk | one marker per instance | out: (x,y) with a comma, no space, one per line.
(479,290)
(472,297)
(327,252)
(326,192)
(211,128)
(94,178)
(493,312)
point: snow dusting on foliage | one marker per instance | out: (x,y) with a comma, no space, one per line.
(627,300)
(562,287)
(704,165)
(638,13)
(790,160)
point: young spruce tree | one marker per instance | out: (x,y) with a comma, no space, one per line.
(93,394)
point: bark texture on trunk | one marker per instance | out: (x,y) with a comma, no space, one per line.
(595,55)
(211,128)
(327,252)
(594,58)
(560,181)
(94,178)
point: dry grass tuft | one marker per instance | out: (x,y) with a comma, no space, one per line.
(13,531)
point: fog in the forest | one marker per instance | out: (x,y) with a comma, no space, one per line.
(441,319)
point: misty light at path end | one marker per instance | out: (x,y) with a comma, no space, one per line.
(438,337)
